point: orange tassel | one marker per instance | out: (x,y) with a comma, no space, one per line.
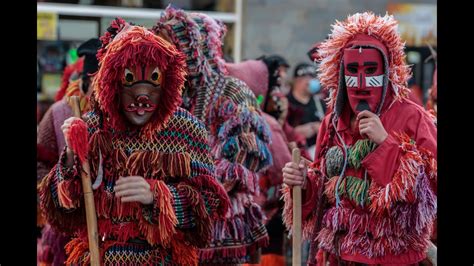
(183,254)
(76,249)
(163,231)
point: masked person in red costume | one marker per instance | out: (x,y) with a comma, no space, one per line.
(369,197)
(155,192)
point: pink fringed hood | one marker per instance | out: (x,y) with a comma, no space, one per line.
(364,30)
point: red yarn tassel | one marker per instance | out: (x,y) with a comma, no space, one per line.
(163,231)
(77,138)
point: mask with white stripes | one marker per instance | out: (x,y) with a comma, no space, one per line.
(364,74)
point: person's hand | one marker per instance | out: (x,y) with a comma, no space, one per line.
(371,126)
(295,175)
(66,127)
(308,130)
(133,188)
(315,126)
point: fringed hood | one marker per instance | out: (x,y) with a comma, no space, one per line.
(369,30)
(126,45)
(199,36)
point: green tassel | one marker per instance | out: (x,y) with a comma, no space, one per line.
(355,189)
(358,152)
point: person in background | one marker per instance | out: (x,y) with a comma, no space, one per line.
(278,68)
(306,104)
(432,103)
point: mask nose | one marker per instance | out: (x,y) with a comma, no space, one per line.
(142,98)
(361,85)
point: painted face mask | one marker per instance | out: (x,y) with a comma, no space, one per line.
(364,75)
(141,89)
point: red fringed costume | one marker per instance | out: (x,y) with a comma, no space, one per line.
(368,203)
(170,151)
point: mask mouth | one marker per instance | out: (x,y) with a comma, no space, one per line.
(141,105)
(363,92)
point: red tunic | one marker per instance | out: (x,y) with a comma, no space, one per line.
(382,165)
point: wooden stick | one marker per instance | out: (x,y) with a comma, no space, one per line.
(296,259)
(91,217)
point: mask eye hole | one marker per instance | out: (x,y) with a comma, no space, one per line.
(352,69)
(155,75)
(129,78)
(370,70)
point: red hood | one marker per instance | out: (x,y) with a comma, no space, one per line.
(381,32)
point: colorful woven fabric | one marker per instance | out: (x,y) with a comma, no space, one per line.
(239,135)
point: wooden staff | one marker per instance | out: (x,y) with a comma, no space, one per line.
(91,217)
(296,259)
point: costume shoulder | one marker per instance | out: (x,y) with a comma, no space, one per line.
(183,119)
(192,133)
(414,107)
(413,114)
(239,92)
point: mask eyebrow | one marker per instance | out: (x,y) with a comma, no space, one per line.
(353,64)
(370,64)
